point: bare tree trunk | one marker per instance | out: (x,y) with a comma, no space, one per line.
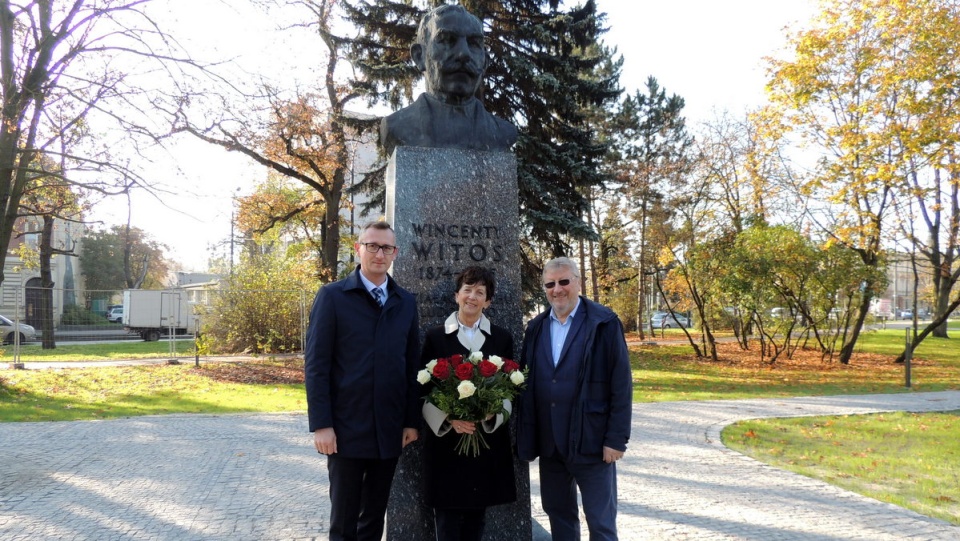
(940,319)
(941,304)
(583,267)
(46,284)
(916,285)
(846,352)
(591,251)
(641,276)
(693,343)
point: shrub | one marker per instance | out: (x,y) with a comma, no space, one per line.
(261,307)
(74,314)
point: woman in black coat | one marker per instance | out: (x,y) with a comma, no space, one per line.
(461,487)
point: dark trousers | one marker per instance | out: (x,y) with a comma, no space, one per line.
(597,481)
(359,490)
(459,524)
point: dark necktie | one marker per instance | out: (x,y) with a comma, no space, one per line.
(378,295)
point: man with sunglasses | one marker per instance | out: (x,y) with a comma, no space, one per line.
(361,360)
(575,413)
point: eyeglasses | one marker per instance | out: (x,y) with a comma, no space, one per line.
(562,283)
(373,248)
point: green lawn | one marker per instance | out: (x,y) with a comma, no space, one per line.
(108,392)
(911,460)
(133,349)
(908,459)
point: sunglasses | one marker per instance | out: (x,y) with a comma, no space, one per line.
(562,283)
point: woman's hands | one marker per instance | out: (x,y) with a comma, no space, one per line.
(463,427)
(467,427)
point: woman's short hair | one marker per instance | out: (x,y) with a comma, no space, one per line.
(476,275)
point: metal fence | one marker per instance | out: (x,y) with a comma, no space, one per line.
(211,321)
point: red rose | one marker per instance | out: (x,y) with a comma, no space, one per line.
(487,368)
(455,360)
(441,370)
(510,366)
(464,371)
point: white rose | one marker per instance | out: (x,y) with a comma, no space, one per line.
(516,377)
(431,364)
(495,359)
(423,377)
(476,357)
(466,389)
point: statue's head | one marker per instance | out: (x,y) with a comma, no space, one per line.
(450,50)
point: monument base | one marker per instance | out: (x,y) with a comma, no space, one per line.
(451,209)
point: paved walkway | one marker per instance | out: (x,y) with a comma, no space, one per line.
(257,477)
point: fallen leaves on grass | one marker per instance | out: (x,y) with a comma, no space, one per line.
(802,360)
(266,372)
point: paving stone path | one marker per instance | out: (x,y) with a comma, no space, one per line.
(257,477)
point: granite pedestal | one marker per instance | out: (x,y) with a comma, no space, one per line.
(451,209)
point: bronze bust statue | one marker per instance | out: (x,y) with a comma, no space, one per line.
(451,52)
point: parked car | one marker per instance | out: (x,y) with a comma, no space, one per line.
(115,315)
(663,320)
(905,314)
(784,314)
(8,331)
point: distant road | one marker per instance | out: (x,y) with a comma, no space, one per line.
(901,324)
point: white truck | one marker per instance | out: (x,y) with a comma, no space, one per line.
(152,312)
(882,308)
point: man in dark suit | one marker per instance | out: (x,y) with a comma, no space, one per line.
(361,359)
(575,413)
(450,51)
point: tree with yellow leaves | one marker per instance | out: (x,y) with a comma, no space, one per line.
(858,93)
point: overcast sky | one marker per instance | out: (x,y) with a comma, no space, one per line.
(707,51)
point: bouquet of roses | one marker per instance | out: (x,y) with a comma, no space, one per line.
(472,388)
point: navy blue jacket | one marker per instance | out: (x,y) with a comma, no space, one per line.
(360,367)
(602,397)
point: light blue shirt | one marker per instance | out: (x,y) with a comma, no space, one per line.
(470,332)
(559,331)
(371,286)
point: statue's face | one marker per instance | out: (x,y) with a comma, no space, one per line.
(454,57)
